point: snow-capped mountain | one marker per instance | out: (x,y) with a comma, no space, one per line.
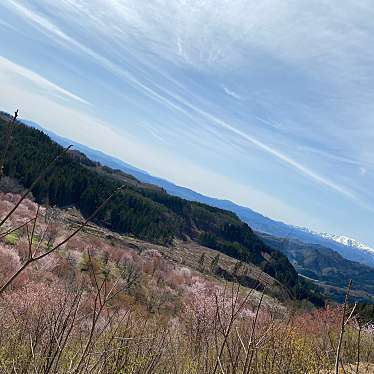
(348,247)
(342,239)
(348,242)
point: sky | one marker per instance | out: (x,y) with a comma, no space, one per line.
(267,103)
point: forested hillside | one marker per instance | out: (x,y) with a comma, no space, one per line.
(142,210)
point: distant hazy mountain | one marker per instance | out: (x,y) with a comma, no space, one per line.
(348,248)
(93,154)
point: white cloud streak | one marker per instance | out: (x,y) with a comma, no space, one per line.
(171,99)
(89,130)
(8,67)
(319,101)
(232,93)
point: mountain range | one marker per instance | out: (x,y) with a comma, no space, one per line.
(142,210)
(157,210)
(326,268)
(349,248)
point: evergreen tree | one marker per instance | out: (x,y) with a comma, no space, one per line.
(237,266)
(214,263)
(201,262)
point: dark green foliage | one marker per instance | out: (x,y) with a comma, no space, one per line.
(214,263)
(73,183)
(306,290)
(201,261)
(236,268)
(364,313)
(142,210)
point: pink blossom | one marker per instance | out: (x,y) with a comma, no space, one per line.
(9,262)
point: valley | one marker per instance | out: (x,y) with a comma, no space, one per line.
(319,257)
(148,276)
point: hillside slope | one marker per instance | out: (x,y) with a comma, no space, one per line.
(145,211)
(326,267)
(256,221)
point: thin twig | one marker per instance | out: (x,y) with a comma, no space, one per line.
(248,359)
(37,258)
(343,324)
(36,181)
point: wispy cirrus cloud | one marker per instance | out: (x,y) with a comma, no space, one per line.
(9,68)
(232,93)
(176,102)
(37,102)
(230,81)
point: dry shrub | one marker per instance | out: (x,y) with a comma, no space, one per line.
(102,307)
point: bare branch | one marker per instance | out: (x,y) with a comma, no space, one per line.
(32,259)
(343,323)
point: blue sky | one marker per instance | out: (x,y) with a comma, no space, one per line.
(266,103)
